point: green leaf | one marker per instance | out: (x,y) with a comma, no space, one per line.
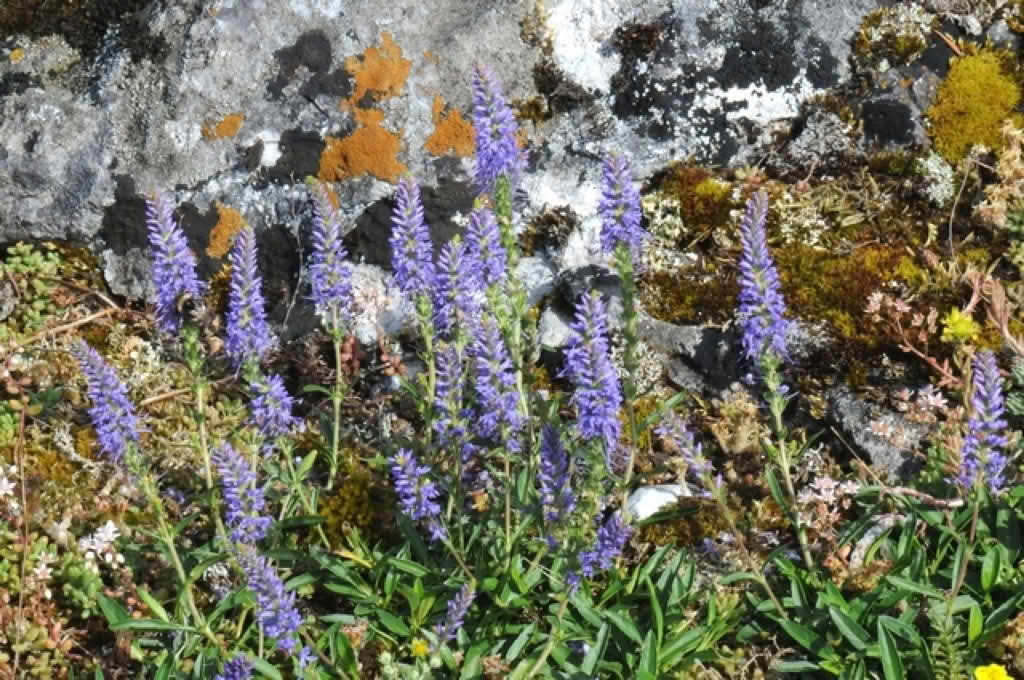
(393,623)
(990,568)
(1008,532)
(914,587)
(776,489)
(807,638)
(113,610)
(892,665)
(519,643)
(150,624)
(1002,613)
(300,522)
(656,612)
(975,624)
(624,625)
(796,667)
(306,389)
(596,651)
(649,654)
(850,629)
(264,668)
(153,604)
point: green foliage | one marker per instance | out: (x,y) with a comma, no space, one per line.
(32,268)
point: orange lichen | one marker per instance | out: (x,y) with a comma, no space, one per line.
(452,132)
(430,56)
(228,126)
(229,223)
(17,55)
(380,70)
(372,149)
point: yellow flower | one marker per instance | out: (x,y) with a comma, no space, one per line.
(959,327)
(992,672)
(420,648)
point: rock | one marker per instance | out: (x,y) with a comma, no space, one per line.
(853,417)
(537,276)
(647,501)
(553,330)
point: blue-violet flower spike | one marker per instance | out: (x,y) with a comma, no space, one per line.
(497,399)
(456,294)
(556,494)
(412,252)
(330,275)
(495,128)
(243,496)
(619,207)
(271,407)
(611,538)
(248,334)
(761,303)
(458,607)
(982,451)
(238,668)
(416,492)
(112,413)
(484,239)
(277,613)
(598,393)
(174,264)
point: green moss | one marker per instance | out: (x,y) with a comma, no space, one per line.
(688,297)
(822,285)
(704,200)
(980,91)
(362,500)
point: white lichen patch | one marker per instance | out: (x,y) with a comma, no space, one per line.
(938,179)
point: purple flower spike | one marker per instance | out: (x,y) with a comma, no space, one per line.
(112,412)
(588,365)
(484,240)
(619,207)
(277,613)
(412,253)
(248,335)
(330,276)
(416,492)
(174,265)
(495,128)
(238,668)
(495,384)
(761,303)
(272,407)
(458,283)
(556,494)
(611,538)
(448,396)
(458,607)
(243,496)
(982,451)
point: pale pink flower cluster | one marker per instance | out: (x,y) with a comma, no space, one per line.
(925,407)
(40,575)
(821,506)
(893,310)
(100,546)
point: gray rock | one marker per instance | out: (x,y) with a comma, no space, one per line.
(854,416)
(537,276)
(553,329)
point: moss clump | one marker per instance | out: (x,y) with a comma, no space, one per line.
(821,285)
(690,296)
(704,200)
(979,93)
(362,500)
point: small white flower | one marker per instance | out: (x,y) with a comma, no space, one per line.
(6,487)
(42,572)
